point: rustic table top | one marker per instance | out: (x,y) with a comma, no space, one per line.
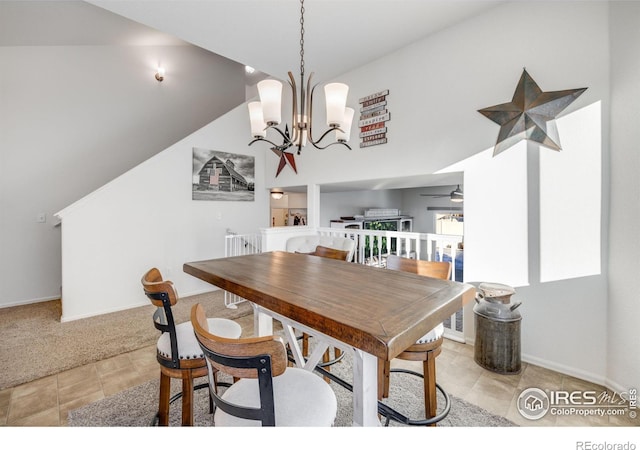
(379,311)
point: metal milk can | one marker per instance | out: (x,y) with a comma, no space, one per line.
(497,324)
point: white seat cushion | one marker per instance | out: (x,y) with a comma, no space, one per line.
(432,335)
(188,347)
(308,244)
(301,399)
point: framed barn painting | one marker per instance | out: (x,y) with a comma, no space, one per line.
(221,176)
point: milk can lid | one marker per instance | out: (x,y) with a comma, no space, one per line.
(492,290)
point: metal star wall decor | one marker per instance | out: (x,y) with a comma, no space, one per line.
(285,157)
(530,115)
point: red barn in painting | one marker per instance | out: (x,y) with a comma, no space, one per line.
(221,175)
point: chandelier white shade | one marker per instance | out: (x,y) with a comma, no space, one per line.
(336,97)
(258,125)
(270,92)
(344,132)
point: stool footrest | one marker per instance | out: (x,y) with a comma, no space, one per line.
(394,415)
(390,413)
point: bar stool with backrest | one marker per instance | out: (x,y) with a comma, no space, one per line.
(178,351)
(309,244)
(426,349)
(267,392)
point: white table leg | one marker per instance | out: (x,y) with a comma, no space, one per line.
(290,334)
(316,354)
(262,323)
(365,389)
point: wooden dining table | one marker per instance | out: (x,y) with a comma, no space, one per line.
(367,311)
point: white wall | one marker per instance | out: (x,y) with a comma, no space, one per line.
(436,87)
(72,119)
(146,218)
(623,346)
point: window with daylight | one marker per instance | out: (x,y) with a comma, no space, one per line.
(533,215)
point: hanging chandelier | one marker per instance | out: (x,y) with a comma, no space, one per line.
(266,114)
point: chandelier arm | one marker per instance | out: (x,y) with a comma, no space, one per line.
(294,109)
(285,145)
(310,90)
(286,139)
(315,144)
(305,108)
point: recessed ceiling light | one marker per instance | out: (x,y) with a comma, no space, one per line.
(249,69)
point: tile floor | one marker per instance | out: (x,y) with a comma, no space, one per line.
(46,402)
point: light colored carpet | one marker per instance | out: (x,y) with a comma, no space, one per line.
(137,406)
(36,344)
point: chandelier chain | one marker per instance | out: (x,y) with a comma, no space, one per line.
(301,38)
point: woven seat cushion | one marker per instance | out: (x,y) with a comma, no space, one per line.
(432,335)
(188,347)
(301,399)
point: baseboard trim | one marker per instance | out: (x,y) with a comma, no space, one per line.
(199,292)
(566,370)
(104,311)
(563,369)
(123,308)
(617,387)
(30,301)
(455,337)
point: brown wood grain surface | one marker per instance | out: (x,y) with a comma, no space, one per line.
(379,311)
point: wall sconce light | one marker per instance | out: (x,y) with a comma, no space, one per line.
(160,74)
(276,194)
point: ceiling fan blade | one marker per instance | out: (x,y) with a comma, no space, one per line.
(435,195)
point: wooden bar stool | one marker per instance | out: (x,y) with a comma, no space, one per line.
(268,392)
(426,349)
(178,351)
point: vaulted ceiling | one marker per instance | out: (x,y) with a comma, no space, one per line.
(340,35)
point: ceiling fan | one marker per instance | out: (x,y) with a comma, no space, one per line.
(452,217)
(456,195)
